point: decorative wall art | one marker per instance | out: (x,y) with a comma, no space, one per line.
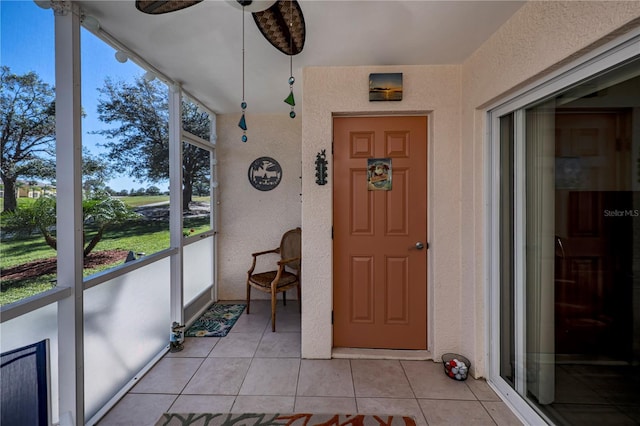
(379,174)
(385,86)
(265,173)
(321,167)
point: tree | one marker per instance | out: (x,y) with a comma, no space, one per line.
(138,143)
(153,190)
(99,210)
(95,172)
(27,139)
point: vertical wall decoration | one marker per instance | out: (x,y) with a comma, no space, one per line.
(321,168)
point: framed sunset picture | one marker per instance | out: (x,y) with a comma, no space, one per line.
(385,86)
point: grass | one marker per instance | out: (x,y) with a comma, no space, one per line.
(139,236)
(141,200)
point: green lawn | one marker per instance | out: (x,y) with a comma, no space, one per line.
(141,200)
(21,202)
(139,236)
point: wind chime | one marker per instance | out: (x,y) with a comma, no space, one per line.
(243,105)
(281,22)
(290,99)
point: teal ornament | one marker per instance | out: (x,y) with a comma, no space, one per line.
(291,80)
(292,114)
(243,123)
(243,105)
(290,100)
(244,138)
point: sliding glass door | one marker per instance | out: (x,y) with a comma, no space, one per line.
(568,246)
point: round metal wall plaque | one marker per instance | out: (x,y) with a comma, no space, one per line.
(265,173)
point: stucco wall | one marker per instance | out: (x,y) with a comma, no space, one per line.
(539,37)
(344,90)
(252,220)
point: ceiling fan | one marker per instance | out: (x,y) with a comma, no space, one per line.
(280,21)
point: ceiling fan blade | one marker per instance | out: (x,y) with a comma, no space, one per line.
(274,26)
(163,6)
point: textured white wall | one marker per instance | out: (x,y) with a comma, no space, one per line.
(345,90)
(541,36)
(538,37)
(252,220)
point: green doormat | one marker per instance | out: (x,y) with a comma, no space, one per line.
(216,321)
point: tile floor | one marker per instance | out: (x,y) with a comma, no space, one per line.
(254,370)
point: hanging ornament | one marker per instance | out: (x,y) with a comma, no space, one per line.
(290,99)
(243,122)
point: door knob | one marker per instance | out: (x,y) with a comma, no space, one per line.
(419,245)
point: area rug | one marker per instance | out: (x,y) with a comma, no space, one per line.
(216,321)
(282,419)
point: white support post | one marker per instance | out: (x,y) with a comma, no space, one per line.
(175,206)
(69,214)
(213,197)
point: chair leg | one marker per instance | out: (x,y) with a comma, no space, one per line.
(248,297)
(273,309)
(299,299)
(284,298)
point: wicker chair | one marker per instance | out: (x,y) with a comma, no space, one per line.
(286,277)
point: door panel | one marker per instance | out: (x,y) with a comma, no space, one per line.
(380,284)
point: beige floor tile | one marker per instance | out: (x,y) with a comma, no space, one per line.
(219,376)
(253,323)
(202,404)
(325,377)
(428,380)
(259,306)
(195,347)
(501,414)
(380,378)
(242,345)
(138,410)
(169,375)
(263,404)
(395,406)
(279,345)
(271,377)
(455,413)
(482,390)
(325,404)
(287,322)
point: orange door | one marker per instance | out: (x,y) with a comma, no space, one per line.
(379,273)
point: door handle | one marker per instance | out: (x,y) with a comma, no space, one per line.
(419,245)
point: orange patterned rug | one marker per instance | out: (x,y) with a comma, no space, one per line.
(282,419)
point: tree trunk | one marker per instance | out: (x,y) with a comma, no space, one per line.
(10,202)
(50,239)
(94,242)
(187,195)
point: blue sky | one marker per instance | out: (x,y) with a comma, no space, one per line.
(27,44)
